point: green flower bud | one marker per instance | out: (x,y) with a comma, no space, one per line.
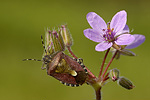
(114,74)
(127,52)
(122,51)
(66,36)
(124,82)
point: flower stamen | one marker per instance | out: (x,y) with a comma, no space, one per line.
(112,29)
(109,33)
(103,29)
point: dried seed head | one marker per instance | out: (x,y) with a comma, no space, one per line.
(53,42)
(57,42)
(64,31)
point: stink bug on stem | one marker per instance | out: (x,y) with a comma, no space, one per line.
(69,71)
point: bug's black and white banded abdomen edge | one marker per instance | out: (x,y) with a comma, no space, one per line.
(68,84)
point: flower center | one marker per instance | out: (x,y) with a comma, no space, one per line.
(109,34)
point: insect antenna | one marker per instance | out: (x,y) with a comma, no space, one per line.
(31,59)
(44,50)
(43,44)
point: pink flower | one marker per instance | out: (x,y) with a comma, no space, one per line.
(108,35)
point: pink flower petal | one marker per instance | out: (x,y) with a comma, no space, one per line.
(96,22)
(93,35)
(139,39)
(103,46)
(125,30)
(125,39)
(118,22)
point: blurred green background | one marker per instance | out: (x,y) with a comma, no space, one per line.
(22,22)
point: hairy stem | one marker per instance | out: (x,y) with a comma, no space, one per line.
(98,94)
(100,73)
(106,77)
(69,49)
(109,64)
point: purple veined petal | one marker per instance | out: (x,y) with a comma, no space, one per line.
(125,30)
(124,39)
(118,22)
(103,46)
(96,22)
(139,39)
(93,35)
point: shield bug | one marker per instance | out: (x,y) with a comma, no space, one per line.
(69,71)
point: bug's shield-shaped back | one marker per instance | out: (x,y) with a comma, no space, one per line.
(67,70)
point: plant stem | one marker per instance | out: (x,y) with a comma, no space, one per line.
(106,77)
(98,94)
(100,73)
(69,49)
(109,64)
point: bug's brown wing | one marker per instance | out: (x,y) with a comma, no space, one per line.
(73,63)
(80,69)
(65,78)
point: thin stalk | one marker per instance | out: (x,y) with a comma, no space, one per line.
(102,66)
(69,49)
(106,77)
(109,64)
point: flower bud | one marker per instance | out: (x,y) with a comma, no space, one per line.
(127,52)
(114,74)
(124,82)
(66,36)
(123,51)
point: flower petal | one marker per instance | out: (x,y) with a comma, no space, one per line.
(139,39)
(125,39)
(125,30)
(118,22)
(93,35)
(103,46)
(96,22)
